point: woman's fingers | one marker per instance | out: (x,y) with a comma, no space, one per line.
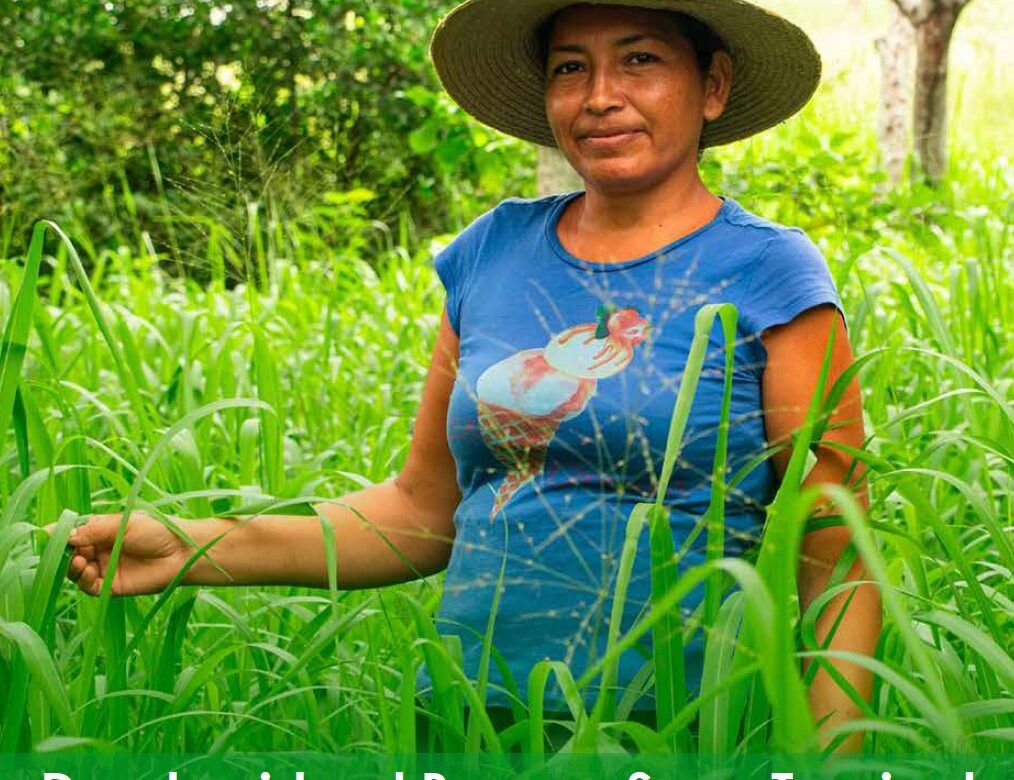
(89,574)
(93,587)
(91,542)
(100,530)
(144,557)
(88,552)
(76,566)
(85,572)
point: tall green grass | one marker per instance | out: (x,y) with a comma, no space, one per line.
(294,374)
(151,393)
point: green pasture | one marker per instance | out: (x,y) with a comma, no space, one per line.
(292,370)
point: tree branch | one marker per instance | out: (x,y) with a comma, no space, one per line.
(916,11)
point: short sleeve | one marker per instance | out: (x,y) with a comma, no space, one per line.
(791,276)
(455,264)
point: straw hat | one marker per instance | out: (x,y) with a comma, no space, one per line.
(486,53)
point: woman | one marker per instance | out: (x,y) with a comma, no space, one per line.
(568,320)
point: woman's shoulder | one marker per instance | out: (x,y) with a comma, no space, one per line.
(502,225)
(741,217)
(787,275)
(773,245)
(518,210)
(512,213)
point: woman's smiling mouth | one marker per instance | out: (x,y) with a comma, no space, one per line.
(610,141)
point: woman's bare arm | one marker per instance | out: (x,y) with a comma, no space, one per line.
(412,512)
(795,355)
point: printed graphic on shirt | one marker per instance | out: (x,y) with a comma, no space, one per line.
(522,399)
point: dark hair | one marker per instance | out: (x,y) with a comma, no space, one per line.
(701,37)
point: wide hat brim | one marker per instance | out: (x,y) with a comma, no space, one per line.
(486,54)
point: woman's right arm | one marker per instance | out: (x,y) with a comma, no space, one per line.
(411,513)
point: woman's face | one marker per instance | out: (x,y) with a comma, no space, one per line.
(629,73)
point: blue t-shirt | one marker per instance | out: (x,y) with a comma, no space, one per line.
(567,375)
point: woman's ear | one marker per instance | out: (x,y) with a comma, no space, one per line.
(717,85)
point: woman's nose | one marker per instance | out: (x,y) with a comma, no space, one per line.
(603,91)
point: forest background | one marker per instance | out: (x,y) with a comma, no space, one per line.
(164,116)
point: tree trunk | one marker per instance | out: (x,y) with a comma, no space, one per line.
(934,22)
(895,50)
(554,174)
(933,40)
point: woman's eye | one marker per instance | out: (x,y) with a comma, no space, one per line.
(649,57)
(560,69)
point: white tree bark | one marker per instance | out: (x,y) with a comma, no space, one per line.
(554,174)
(895,50)
(934,22)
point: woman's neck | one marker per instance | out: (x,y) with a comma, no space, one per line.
(607,226)
(671,201)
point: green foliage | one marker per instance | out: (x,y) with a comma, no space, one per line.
(142,390)
(124,117)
